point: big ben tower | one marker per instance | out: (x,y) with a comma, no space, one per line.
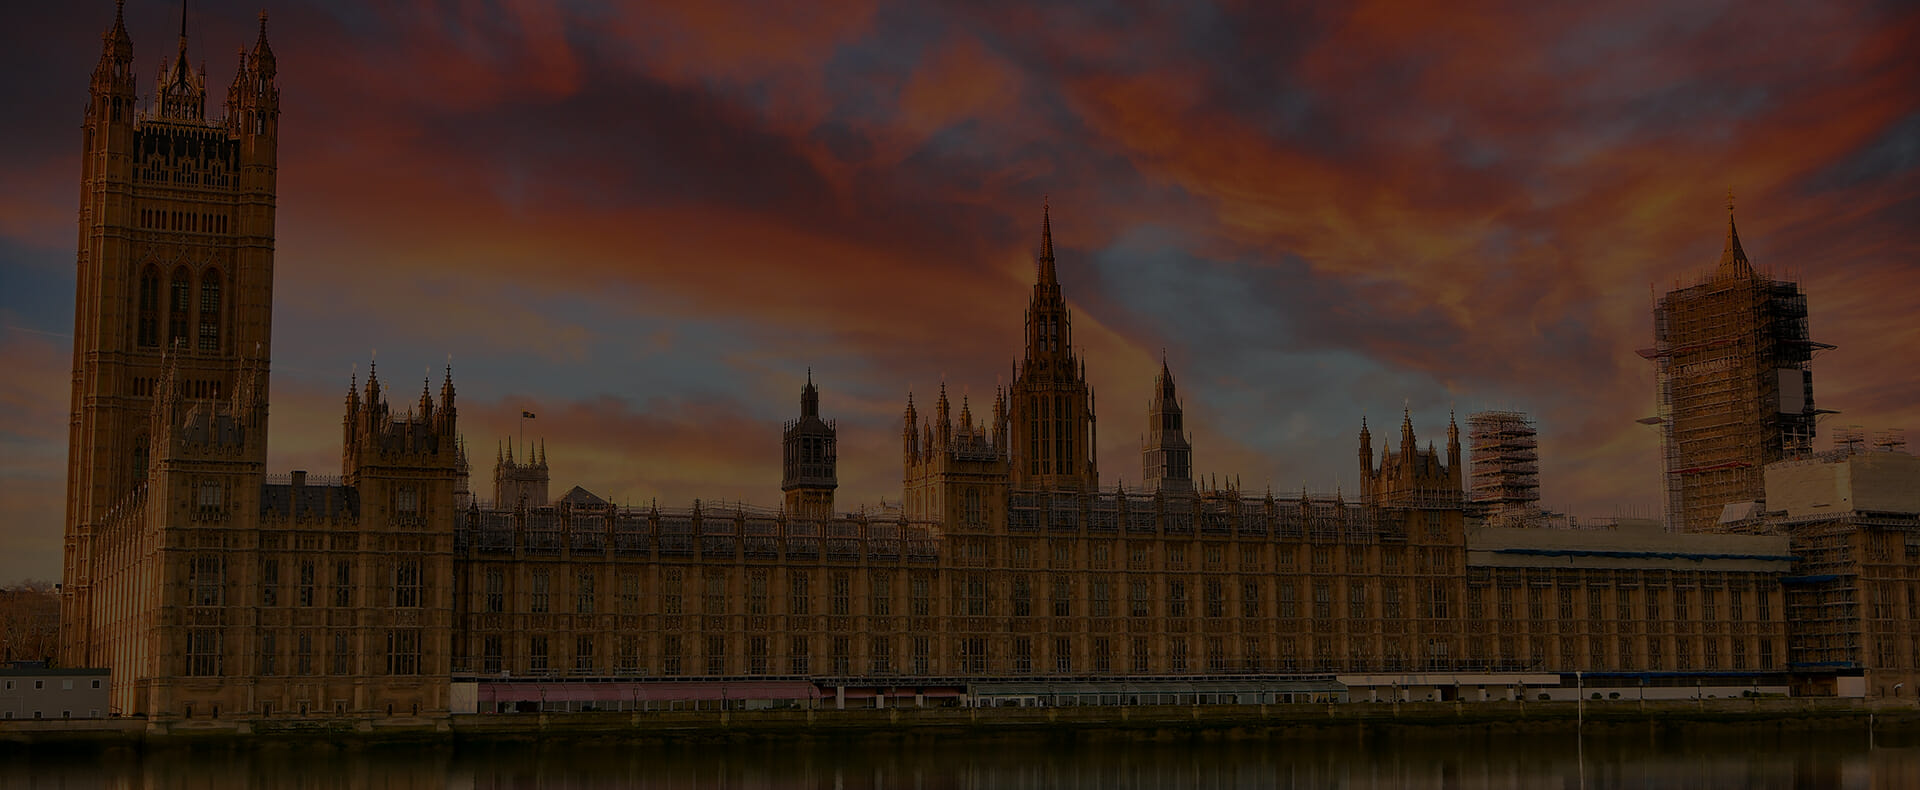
(174,278)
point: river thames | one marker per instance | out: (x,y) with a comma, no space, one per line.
(1439,758)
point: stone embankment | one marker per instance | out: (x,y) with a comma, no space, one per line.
(1441,719)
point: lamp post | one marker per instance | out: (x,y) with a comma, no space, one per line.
(1580,688)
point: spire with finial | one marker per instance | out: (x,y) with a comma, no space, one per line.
(446,386)
(1733,259)
(1047,276)
(262,52)
(909,439)
(809,398)
(943,420)
(182,94)
(118,45)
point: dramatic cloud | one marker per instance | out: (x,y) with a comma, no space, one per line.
(646,222)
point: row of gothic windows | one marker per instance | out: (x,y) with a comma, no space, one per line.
(1051,434)
(1049,334)
(189,221)
(180,325)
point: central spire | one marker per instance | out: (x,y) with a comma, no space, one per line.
(182,93)
(1047,276)
(1049,326)
(809,398)
(1050,418)
(181,63)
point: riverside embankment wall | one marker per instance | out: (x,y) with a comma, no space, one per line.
(1153,722)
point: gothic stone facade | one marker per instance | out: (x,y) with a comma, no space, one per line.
(213,589)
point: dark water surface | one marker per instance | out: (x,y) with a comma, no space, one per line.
(1436,759)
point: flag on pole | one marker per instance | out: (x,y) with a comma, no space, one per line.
(526,415)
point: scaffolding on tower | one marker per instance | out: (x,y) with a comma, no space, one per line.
(1505,460)
(1735,390)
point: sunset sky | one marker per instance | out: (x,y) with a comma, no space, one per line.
(645,222)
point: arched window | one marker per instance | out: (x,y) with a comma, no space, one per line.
(210,310)
(178,303)
(147,328)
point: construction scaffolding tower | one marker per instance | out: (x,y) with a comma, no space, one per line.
(1506,462)
(1735,388)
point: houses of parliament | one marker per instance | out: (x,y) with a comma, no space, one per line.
(211,588)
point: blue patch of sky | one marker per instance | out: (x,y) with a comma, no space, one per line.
(864,79)
(36,286)
(1148,272)
(1229,328)
(629,350)
(965,142)
(1891,156)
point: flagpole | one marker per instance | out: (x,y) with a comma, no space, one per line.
(523,432)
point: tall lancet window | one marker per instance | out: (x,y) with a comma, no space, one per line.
(148,328)
(180,301)
(210,310)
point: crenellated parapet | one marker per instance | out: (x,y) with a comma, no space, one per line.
(302,501)
(703,531)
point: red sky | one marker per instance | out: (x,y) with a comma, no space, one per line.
(646,223)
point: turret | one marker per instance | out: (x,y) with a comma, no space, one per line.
(520,484)
(1366,460)
(253,99)
(253,114)
(942,422)
(1407,444)
(1167,457)
(112,91)
(1453,449)
(1000,421)
(909,437)
(446,417)
(809,458)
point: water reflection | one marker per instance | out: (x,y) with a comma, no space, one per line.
(1657,758)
